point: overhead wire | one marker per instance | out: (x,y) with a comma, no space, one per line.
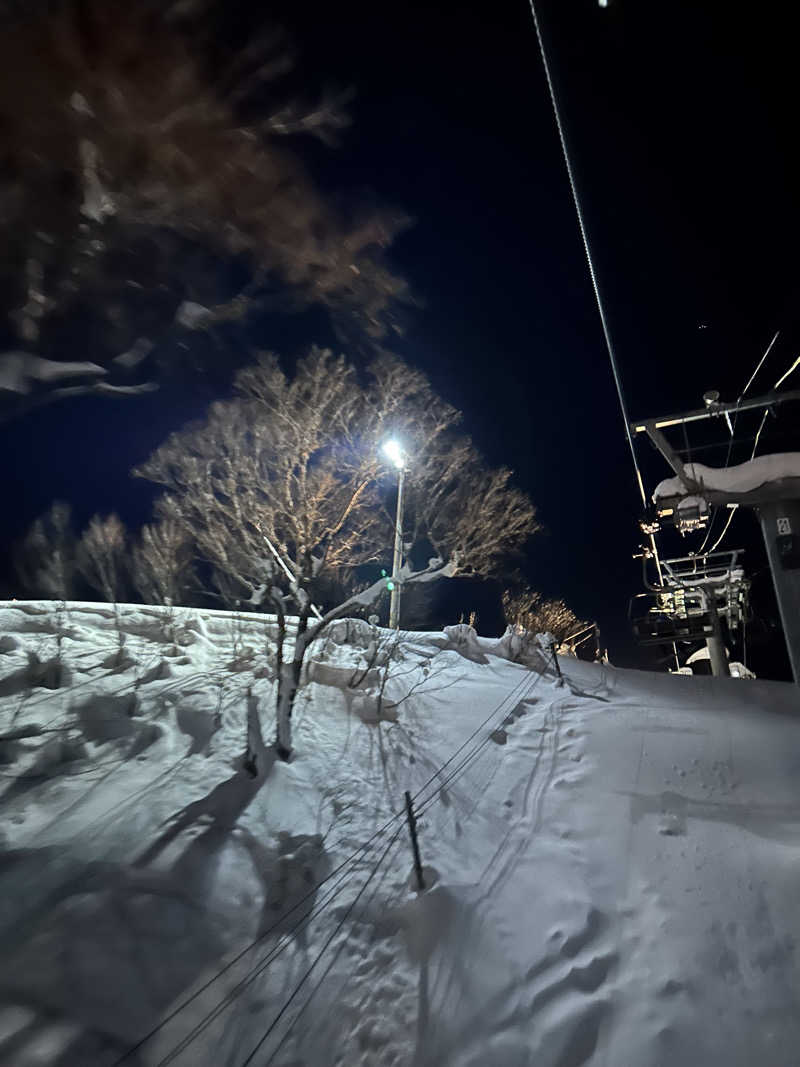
(468,758)
(741,397)
(592,271)
(425,804)
(262,964)
(255,972)
(760,363)
(254,942)
(526,684)
(777,385)
(511,695)
(287,1003)
(334,958)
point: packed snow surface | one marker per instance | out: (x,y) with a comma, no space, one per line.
(611,865)
(741,478)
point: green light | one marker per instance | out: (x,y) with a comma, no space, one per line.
(390,584)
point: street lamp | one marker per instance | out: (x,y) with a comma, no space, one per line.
(393,451)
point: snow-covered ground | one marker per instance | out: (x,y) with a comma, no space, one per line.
(612,865)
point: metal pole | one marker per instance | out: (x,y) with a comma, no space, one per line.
(716,649)
(397,559)
(780,524)
(412,829)
(556,663)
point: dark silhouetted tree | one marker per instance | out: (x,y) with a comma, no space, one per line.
(46,560)
(149,198)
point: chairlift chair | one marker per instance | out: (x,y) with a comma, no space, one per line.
(687,514)
(671,615)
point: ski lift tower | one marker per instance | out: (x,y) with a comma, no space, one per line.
(719,581)
(696,594)
(769,485)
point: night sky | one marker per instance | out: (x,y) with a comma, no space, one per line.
(681,118)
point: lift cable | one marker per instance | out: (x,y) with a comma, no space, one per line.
(777,385)
(592,272)
(752,378)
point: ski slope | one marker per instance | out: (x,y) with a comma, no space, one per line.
(611,865)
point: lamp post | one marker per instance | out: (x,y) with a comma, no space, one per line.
(394,452)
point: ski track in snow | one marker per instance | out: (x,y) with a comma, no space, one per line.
(611,865)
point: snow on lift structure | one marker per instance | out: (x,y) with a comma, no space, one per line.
(686,500)
(767,484)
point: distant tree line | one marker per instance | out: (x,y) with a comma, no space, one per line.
(106,561)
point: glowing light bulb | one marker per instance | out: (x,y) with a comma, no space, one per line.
(393,450)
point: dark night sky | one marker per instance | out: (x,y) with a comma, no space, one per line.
(681,118)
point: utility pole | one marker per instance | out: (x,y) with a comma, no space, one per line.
(556,664)
(397,558)
(396,454)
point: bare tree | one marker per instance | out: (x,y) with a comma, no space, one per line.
(526,610)
(46,561)
(284,487)
(101,556)
(148,198)
(161,561)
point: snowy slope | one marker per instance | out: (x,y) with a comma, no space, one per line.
(612,865)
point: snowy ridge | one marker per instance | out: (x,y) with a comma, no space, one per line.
(610,864)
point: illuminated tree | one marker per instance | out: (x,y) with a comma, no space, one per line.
(284,489)
(526,610)
(161,561)
(102,556)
